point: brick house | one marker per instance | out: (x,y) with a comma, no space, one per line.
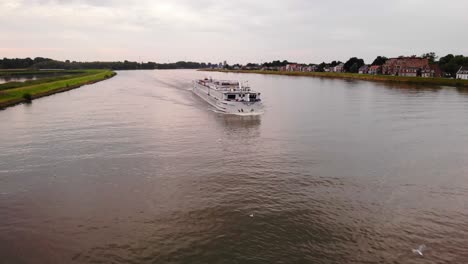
(431,71)
(409,71)
(375,69)
(405,66)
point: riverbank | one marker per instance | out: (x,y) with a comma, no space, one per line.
(364,77)
(30,90)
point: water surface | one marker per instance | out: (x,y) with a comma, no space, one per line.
(136,169)
(23,78)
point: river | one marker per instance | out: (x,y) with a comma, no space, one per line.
(136,169)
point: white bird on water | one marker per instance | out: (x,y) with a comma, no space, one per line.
(251,215)
(419,250)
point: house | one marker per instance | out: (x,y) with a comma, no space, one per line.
(292,67)
(410,71)
(463,73)
(375,69)
(251,67)
(405,66)
(431,71)
(339,68)
(311,68)
(364,69)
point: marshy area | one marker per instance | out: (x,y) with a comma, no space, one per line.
(18,86)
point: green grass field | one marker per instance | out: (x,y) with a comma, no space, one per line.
(365,77)
(52,85)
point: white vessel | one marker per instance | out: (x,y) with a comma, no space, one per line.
(230,97)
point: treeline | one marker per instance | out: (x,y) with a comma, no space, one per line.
(450,64)
(46,63)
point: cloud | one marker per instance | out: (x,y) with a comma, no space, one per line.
(238,31)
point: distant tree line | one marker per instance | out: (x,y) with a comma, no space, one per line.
(46,63)
(448,64)
(16,63)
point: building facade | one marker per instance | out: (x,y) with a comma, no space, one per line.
(339,68)
(375,69)
(291,67)
(431,71)
(405,66)
(364,69)
(463,73)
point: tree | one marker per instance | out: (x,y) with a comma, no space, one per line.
(275,63)
(380,60)
(353,64)
(446,59)
(450,64)
(354,68)
(334,63)
(321,67)
(431,56)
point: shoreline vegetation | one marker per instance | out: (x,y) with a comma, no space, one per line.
(356,76)
(13,93)
(47,63)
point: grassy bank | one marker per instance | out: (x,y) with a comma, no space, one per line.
(31,89)
(365,77)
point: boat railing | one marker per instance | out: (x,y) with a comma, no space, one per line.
(244,101)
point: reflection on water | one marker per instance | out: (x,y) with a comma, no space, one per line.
(238,121)
(23,78)
(411,89)
(462,91)
(145,172)
(27,77)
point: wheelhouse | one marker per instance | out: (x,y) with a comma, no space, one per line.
(242,97)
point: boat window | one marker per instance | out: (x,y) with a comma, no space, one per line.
(252,96)
(231,96)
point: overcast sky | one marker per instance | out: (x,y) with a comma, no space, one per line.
(233,30)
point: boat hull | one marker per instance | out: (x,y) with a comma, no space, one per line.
(228,107)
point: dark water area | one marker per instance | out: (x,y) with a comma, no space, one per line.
(136,169)
(22,78)
(28,77)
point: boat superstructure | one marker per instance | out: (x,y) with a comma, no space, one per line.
(231,97)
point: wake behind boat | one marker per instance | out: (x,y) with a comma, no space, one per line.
(230,97)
